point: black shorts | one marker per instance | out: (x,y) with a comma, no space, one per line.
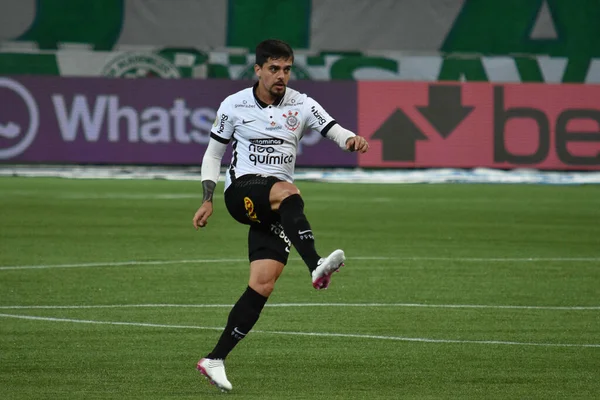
(247,200)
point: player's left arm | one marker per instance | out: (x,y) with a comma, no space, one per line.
(322,122)
(347,140)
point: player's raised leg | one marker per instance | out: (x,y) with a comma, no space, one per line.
(321,276)
(285,198)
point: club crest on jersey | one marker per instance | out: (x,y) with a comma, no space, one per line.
(292,122)
(250,212)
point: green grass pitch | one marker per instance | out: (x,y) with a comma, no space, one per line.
(449,292)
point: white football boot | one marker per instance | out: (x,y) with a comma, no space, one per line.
(321,276)
(214,371)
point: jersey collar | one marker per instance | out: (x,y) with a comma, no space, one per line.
(261,103)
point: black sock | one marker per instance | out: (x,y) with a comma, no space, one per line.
(242,318)
(297,229)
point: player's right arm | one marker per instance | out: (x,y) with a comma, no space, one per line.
(211,167)
(220,136)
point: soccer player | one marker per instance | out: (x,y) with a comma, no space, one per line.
(265,123)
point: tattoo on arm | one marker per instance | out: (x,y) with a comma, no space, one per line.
(208,188)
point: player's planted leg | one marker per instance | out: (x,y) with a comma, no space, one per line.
(214,371)
(242,318)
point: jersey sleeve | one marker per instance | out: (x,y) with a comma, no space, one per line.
(317,118)
(223,127)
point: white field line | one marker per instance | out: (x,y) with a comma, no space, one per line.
(320,334)
(124,263)
(366,258)
(283,305)
(328,199)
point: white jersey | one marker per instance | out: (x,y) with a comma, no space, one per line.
(265,137)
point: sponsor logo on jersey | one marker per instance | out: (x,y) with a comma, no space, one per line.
(260,149)
(318,115)
(292,103)
(273,126)
(244,104)
(271,159)
(250,212)
(267,142)
(224,117)
(263,146)
(292,121)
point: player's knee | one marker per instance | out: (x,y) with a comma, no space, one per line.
(264,288)
(281,191)
(289,192)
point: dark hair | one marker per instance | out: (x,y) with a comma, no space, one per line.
(273,48)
